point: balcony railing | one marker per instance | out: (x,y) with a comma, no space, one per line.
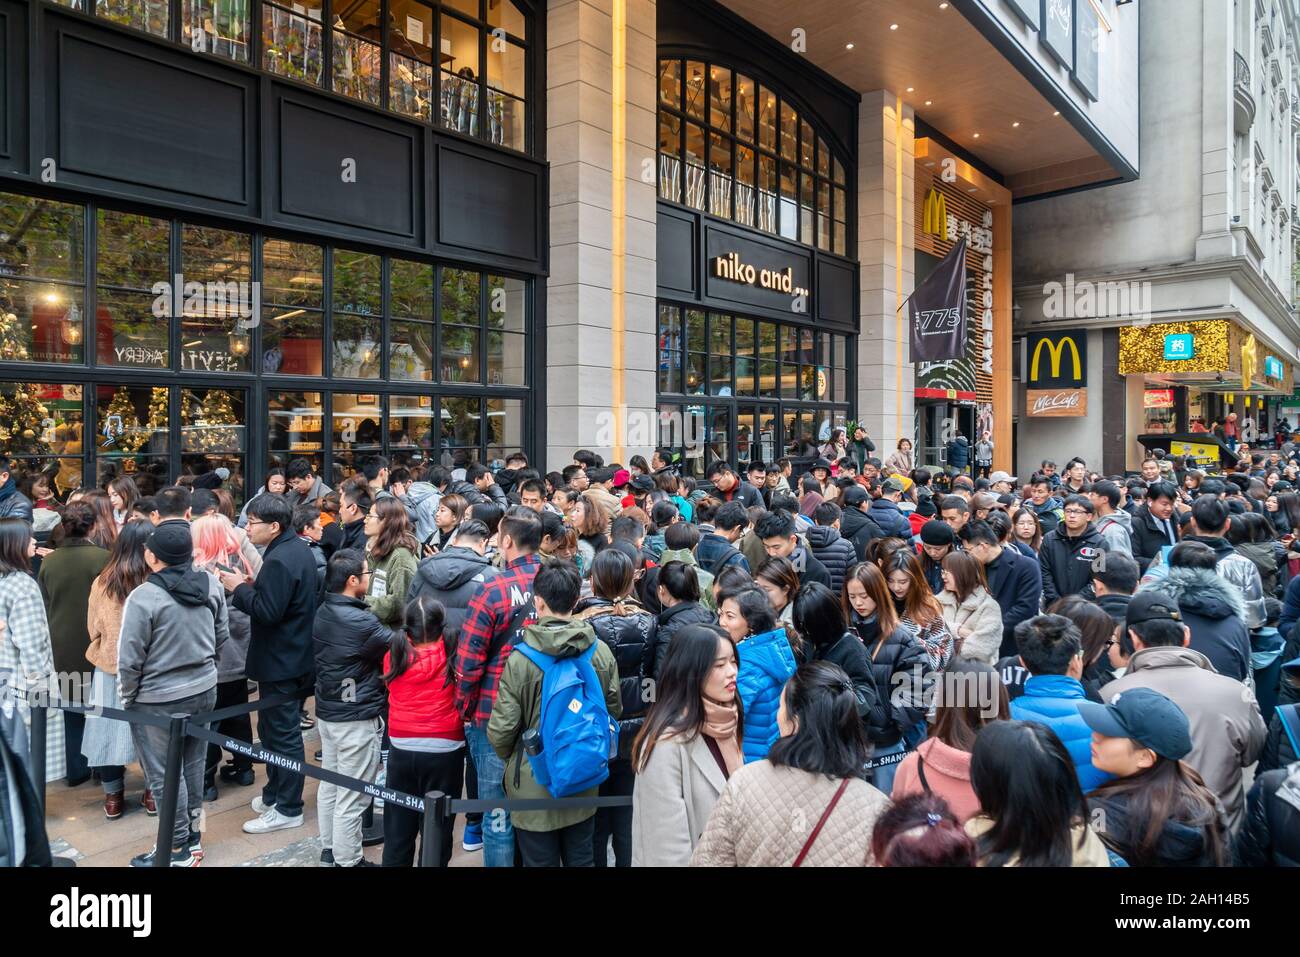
(1243,100)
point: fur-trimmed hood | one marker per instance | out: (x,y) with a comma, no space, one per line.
(1201,591)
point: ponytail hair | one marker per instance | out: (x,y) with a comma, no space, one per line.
(425,618)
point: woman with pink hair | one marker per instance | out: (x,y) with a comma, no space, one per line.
(216,547)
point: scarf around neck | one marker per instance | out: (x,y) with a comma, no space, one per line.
(720,721)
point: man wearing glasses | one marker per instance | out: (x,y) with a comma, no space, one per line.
(1068,552)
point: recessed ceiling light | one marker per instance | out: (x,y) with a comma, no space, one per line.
(848,46)
(928,102)
(1057,113)
(972,189)
(910,89)
(943,6)
(1016,123)
(977,136)
(893,26)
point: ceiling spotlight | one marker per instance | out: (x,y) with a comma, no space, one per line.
(910,89)
(928,102)
(943,6)
(848,46)
(1016,123)
(1057,113)
(893,26)
(977,136)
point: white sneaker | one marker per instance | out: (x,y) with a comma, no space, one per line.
(259,806)
(272,820)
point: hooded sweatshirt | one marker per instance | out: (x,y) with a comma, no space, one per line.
(421,501)
(518,708)
(1116,531)
(1181,844)
(172,626)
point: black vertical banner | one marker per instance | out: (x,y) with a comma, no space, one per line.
(937,310)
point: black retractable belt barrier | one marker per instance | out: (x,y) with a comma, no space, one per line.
(210,718)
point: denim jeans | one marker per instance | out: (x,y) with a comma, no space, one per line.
(498,834)
(151,746)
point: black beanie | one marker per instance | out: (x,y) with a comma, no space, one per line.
(937,533)
(171,543)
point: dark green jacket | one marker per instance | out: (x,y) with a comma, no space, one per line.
(519,707)
(65,579)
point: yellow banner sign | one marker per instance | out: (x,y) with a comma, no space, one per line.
(1202,452)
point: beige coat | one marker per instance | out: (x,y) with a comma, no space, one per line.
(982,614)
(103,624)
(1227,730)
(767,813)
(1091,854)
(672,801)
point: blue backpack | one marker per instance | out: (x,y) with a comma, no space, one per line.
(578,736)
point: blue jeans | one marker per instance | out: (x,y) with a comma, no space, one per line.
(498,833)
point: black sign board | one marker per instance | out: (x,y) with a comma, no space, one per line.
(1057,359)
(1087,48)
(754,272)
(1057,30)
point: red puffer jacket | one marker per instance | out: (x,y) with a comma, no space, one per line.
(421,702)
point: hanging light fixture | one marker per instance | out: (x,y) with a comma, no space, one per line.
(239,344)
(70,327)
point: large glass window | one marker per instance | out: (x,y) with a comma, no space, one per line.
(295,428)
(735,148)
(710,362)
(218,27)
(291,39)
(217,299)
(358,327)
(42,428)
(42,288)
(134,294)
(293,301)
(213,435)
(460,325)
(132,433)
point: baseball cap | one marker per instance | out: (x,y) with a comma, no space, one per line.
(1146,716)
(1001,477)
(894,484)
(937,533)
(643,483)
(1151,606)
(854,495)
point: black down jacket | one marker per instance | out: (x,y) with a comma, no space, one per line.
(834,551)
(1271,835)
(673,620)
(349,643)
(900,701)
(630,631)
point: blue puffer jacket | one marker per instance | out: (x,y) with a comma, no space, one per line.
(891,519)
(1053,700)
(766,664)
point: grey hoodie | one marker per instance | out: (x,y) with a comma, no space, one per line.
(1116,531)
(172,627)
(421,501)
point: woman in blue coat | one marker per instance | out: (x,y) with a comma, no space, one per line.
(766,663)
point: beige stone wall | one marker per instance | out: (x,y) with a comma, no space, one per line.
(590,247)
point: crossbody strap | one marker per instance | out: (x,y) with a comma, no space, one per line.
(807,846)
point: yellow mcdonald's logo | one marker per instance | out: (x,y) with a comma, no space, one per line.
(1055,350)
(935,215)
(1248,361)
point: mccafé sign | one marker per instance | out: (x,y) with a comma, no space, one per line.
(1056,373)
(734,268)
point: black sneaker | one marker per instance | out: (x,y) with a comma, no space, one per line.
(195,845)
(182,857)
(364,863)
(320,755)
(209,793)
(305,721)
(327,857)
(233,775)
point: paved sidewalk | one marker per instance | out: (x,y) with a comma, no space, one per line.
(74,819)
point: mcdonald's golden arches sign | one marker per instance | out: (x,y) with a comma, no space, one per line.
(1057,373)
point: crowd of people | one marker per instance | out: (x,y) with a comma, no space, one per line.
(843,662)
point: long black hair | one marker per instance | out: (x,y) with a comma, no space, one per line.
(828,738)
(15,539)
(679,701)
(1027,784)
(1167,791)
(818,615)
(425,618)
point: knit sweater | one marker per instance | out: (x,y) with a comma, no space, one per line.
(104,624)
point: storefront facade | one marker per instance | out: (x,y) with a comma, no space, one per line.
(352,265)
(756,283)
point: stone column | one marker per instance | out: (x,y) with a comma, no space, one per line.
(600,304)
(886,381)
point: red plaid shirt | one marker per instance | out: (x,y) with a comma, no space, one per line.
(486,620)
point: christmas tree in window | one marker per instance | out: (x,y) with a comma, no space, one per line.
(119,426)
(12,346)
(23,421)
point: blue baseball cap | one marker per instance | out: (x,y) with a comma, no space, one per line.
(1144,715)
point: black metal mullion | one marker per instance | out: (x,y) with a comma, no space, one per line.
(385,40)
(326,43)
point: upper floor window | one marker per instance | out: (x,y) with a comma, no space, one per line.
(460,64)
(733,147)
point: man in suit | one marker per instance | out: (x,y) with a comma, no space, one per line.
(1154,524)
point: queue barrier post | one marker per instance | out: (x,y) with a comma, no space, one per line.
(40,731)
(435,812)
(171,790)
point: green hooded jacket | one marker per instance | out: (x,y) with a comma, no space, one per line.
(705,579)
(519,707)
